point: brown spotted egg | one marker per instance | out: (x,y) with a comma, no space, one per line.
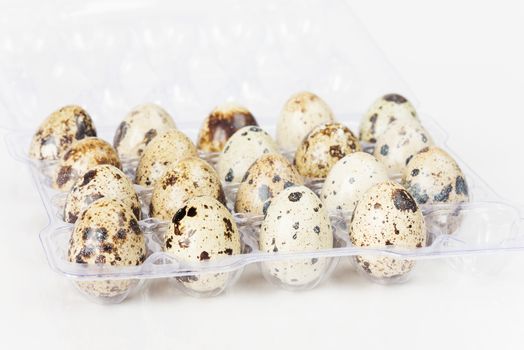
(163,151)
(382,113)
(242,150)
(301,113)
(59,131)
(190,177)
(107,233)
(349,179)
(265,178)
(101,181)
(386,216)
(139,127)
(296,222)
(400,142)
(434,177)
(80,157)
(221,124)
(325,145)
(202,230)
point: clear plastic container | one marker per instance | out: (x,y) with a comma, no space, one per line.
(109,56)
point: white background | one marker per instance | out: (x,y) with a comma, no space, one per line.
(464,61)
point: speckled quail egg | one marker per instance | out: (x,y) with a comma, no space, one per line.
(59,131)
(296,222)
(434,177)
(382,113)
(80,157)
(265,178)
(163,151)
(325,145)
(190,177)
(386,216)
(139,127)
(107,233)
(221,124)
(349,179)
(99,182)
(400,142)
(202,230)
(242,150)
(301,113)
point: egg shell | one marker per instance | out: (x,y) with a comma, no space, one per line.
(99,182)
(80,157)
(301,113)
(325,145)
(400,142)
(139,127)
(190,177)
(163,151)
(202,230)
(59,130)
(349,179)
(107,233)
(296,221)
(265,178)
(241,150)
(221,124)
(434,177)
(386,216)
(382,113)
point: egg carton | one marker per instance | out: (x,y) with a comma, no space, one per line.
(114,55)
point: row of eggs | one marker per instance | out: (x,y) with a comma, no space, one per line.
(187,191)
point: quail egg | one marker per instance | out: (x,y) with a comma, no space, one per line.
(203,230)
(221,123)
(434,177)
(325,145)
(349,179)
(80,157)
(400,142)
(386,216)
(301,113)
(59,131)
(163,151)
(265,178)
(190,177)
(383,112)
(99,182)
(107,233)
(242,150)
(139,127)
(296,222)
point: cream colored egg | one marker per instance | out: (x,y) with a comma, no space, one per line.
(400,142)
(382,113)
(59,130)
(349,179)
(190,177)
(139,127)
(386,216)
(107,233)
(80,157)
(267,177)
(163,151)
(242,150)
(301,113)
(325,145)
(203,230)
(101,181)
(221,124)
(296,221)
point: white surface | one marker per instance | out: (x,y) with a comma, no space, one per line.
(463,60)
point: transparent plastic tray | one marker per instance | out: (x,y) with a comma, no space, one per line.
(109,56)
